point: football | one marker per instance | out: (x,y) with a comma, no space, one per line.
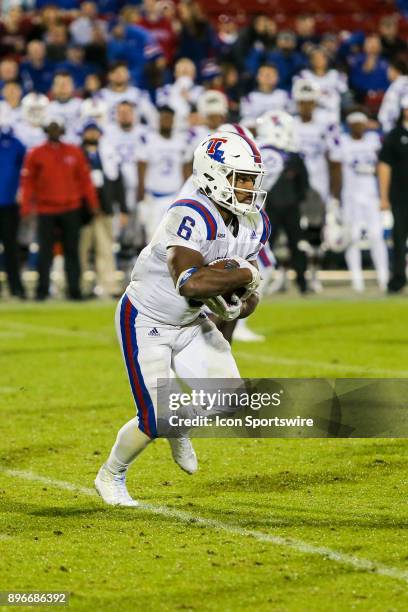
(228,264)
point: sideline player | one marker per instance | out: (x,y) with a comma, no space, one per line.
(162,169)
(360,199)
(159,328)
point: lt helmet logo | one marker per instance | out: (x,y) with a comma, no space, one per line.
(214,149)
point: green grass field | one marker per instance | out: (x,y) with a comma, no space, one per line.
(280,525)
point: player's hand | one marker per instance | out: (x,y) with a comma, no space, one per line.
(226,312)
(256,277)
(249,305)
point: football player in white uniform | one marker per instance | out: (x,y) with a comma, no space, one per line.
(159,319)
(125,135)
(212,106)
(182,94)
(318,141)
(120,90)
(360,199)
(29,130)
(331,83)
(66,106)
(162,170)
(267,97)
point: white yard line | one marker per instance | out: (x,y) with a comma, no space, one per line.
(57,331)
(186,517)
(364,370)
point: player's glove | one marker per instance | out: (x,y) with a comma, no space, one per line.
(223,310)
(253,285)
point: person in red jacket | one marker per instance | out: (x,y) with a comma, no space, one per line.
(55,183)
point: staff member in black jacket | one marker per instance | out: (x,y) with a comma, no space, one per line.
(283,207)
(98,233)
(393,180)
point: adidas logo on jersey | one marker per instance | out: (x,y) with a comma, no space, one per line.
(253,235)
(153,332)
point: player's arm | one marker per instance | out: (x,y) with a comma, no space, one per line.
(249,305)
(335,178)
(141,174)
(195,280)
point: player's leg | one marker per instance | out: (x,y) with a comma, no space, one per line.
(201,352)
(46,225)
(104,260)
(353,252)
(378,247)
(86,241)
(147,358)
(70,223)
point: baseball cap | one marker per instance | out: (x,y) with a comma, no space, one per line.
(356,117)
(91,124)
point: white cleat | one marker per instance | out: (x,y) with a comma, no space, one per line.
(184,454)
(112,488)
(242,333)
(315,285)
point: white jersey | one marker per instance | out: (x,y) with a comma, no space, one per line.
(195,223)
(359,165)
(332,86)
(165,158)
(256,103)
(70,113)
(145,110)
(179,95)
(390,108)
(318,142)
(274,161)
(10,116)
(193,138)
(127,144)
(30,135)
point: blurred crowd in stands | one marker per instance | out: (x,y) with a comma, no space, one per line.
(135,75)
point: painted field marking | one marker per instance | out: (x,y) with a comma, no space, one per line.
(363,369)
(268,359)
(185,517)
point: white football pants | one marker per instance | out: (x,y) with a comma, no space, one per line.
(153,350)
(359,216)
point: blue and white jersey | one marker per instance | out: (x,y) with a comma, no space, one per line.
(165,158)
(193,222)
(318,142)
(359,168)
(127,144)
(332,86)
(256,103)
(140,99)
(390,108)
(70,113)
(30,135)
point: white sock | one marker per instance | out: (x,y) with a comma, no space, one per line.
(129,444)
(353,259)
(379,256)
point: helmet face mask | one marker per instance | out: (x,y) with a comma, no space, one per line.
(221,162)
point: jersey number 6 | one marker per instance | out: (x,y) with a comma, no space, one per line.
(186,226)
